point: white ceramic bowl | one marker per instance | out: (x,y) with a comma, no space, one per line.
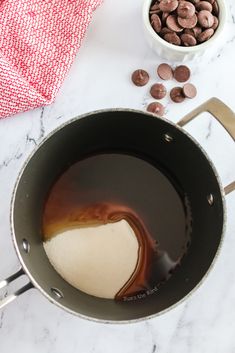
(173,52)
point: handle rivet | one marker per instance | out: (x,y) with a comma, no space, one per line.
(57,293)
(26,246)
(168,138)
(210,199)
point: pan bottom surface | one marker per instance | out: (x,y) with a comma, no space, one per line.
(108,185)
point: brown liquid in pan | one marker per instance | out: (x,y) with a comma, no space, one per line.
(107,188)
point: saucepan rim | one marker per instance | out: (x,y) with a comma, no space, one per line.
(34,152)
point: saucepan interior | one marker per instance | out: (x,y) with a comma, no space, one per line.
(162,144)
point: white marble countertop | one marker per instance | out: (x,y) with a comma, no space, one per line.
(100,78)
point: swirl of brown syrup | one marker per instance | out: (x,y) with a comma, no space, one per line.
(101,214)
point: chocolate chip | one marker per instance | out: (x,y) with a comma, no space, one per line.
(172,38)
(194,1)
(182,73)
(164,17)
(205,35)
(140,77)
(188,40)
(216,23)
(177,95)
(156,23)
(172,24)
(189,90)
(188,22)
(165,72)
(156,108)
(158,91)
(185,9)
(205,19)
(189,31)
(164,31)
(155,9)
(154,5)
(168,5)
(215,8)
(204,5)
(196,30)
(180,22)
(193,31)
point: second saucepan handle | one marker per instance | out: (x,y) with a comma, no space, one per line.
(224,115)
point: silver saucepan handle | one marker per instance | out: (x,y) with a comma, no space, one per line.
(224,115)
(9,298)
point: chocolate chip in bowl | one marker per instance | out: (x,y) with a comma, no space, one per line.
(172,38)
(185,9)
(180,30)
(205,35)
(205,19)
(204,5)
(188,40)
(180,16)
(186,23)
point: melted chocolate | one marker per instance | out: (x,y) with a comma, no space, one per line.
(110,187)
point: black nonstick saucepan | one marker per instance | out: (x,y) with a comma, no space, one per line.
(165,144)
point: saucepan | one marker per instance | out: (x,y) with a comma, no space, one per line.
(165,144)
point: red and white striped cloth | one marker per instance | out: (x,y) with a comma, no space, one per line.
(38,42)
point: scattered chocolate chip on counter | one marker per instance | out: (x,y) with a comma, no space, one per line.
(177,95)
(156,108)
(185,23)
(140,77)
(165,72)
(182,73)
(158,91)
(189,90)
